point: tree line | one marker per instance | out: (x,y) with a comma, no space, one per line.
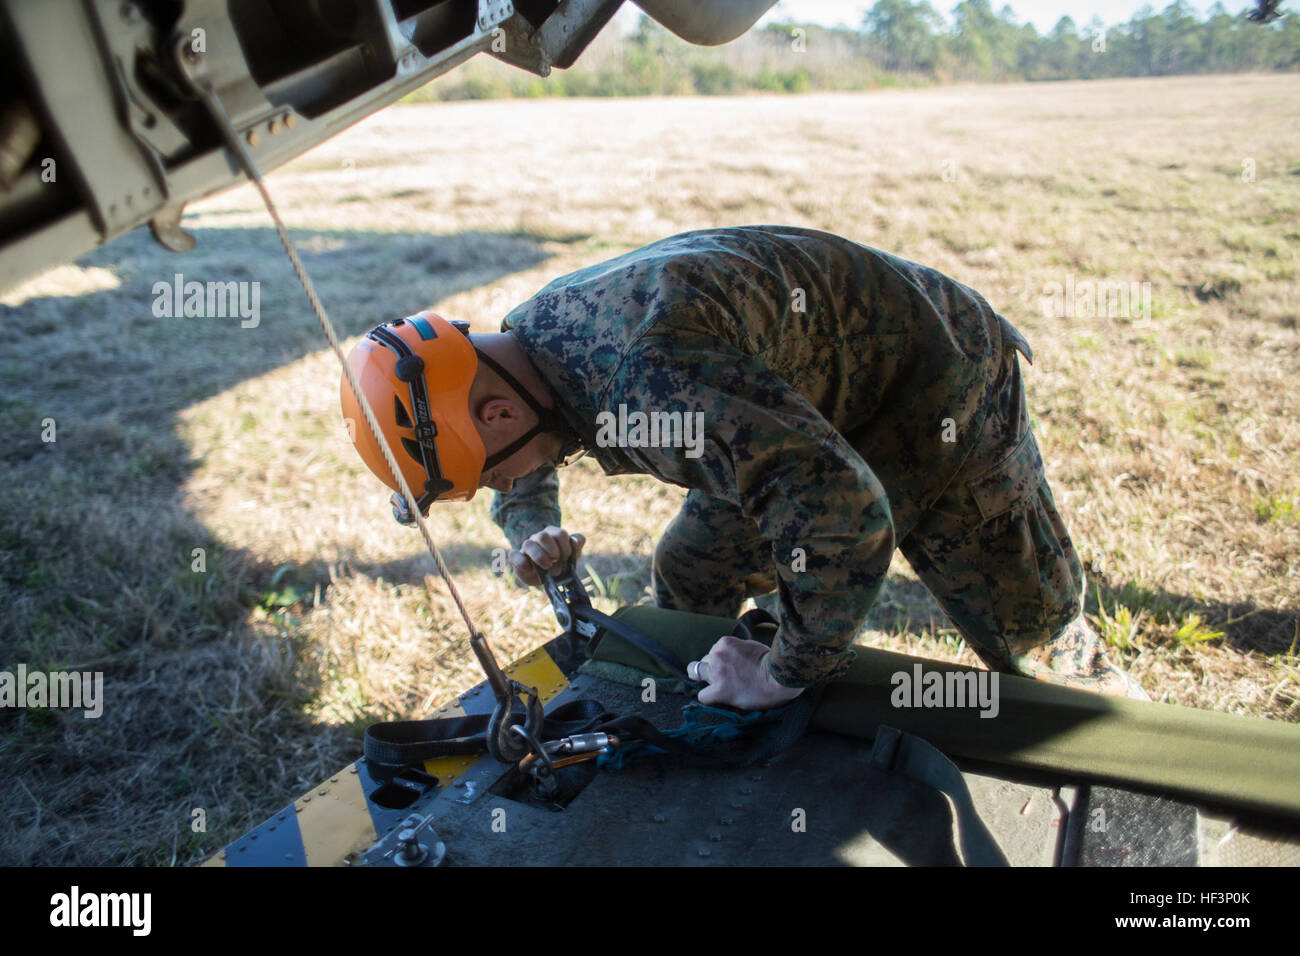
(908,37)
(899,42)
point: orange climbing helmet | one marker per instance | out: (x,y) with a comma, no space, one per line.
(416,373)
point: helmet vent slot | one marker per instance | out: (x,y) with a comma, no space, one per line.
(413,449)
(399,412)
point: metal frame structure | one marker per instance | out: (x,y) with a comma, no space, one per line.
(100,133)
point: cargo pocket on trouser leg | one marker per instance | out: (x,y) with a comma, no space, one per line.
(995,555)
(1032,571)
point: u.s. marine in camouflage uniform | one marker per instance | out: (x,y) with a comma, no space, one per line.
(852,403)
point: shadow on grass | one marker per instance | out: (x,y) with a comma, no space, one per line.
(98,554)
(111,344)
(1244,626)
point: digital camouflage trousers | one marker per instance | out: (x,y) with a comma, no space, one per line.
(993,550)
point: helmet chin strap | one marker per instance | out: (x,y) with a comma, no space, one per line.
(548,419)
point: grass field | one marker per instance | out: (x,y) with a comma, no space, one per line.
(201,531)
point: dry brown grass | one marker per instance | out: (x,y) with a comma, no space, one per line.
(1171,438)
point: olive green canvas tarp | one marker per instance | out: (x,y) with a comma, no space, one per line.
(1240,761)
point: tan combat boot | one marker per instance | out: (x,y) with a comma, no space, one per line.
(1075,658)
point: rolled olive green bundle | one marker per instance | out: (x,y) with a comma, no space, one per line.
(1240,761)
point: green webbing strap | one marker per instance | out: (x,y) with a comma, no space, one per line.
(1238,761)
(914,758)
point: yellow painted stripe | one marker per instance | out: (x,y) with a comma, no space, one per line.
(334,820)
(538,670)
(535,669)
(447,769)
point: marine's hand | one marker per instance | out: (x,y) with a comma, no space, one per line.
(736,672)
(549,548)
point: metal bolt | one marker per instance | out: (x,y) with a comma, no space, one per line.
(252,137)
(321,791)
(737,805)
(705,851)
(334,779)
(725,821)
(744,790)
(409,850)
(352,769)
(306,799)
(715,837)
(659,818)
(274,127)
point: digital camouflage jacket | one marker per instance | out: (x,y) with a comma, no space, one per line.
(840,388)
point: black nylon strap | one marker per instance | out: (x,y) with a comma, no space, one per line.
(548,419)
(425,428)
(642,642)
(411,742)
(542,413)
(404,743)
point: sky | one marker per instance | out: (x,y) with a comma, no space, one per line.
(1043,14)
